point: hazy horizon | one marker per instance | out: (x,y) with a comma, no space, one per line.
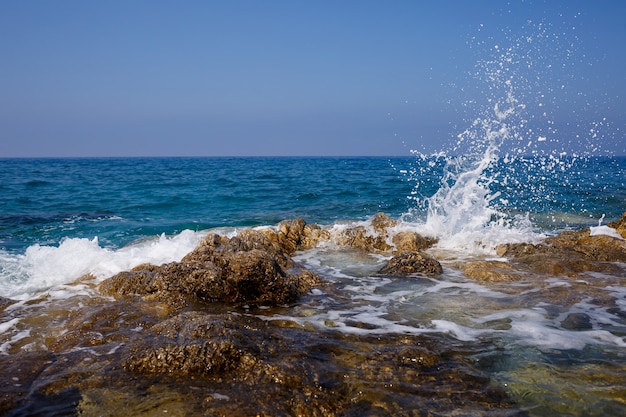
(241,78)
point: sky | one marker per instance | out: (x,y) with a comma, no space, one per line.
(286,78)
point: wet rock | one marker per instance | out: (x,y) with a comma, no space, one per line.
(194,343)
(374,239)
(381,222)
(18,373)
(577,321)
(246,268)
(257,368)
(620,225)
(359,237)
(569,253)
(5,302)
(408,263)
(491,271)
(294,235)
(411,242)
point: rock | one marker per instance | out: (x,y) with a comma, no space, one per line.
(577,321)
(258,368)
(569,253)
(248,268)
(411,242)
(408,263)
(194,343)
(381,222)
(374,239)
(600,248)
(360,238)
(620,225)
(5,302)
(19,371)
(491,271)
(294,235)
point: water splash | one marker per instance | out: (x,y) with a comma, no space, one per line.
(513,157)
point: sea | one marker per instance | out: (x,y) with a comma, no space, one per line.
(67,224)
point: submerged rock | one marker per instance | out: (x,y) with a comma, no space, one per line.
(577,321)
(246,268)
(491,271)
(258,368)
(5,302)
(408,263)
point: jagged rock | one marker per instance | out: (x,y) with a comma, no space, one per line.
(600,248)
(369,240)
(411,242)
(381,222)
(5,302)
(408,263)
(569,253)
(620,225)
(359,237)
(194,343)
(246,268)
(259,367)
(293,235)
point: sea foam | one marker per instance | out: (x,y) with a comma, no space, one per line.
(41,268)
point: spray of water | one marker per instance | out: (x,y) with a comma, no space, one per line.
(505,163)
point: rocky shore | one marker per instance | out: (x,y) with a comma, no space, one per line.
(179,336)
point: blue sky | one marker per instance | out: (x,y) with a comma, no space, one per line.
(217,78)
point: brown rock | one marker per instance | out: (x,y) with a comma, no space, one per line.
(408,263)
(247,268)
(381,222)
(358,237)
(5,302)
(569,253)
(620,225)
(294,235)
(411,242)
(491,271)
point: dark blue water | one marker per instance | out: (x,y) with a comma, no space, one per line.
(120,200)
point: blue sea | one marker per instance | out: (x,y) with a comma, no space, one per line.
(123,200)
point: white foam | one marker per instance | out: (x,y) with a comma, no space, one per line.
(532,327)
(41,268)
(8,325)
(605,230)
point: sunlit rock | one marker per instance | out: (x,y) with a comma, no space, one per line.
(569,253)
(293,235)
(246,268)
(491,271)
(411,242)
(408,263)
(620,225)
